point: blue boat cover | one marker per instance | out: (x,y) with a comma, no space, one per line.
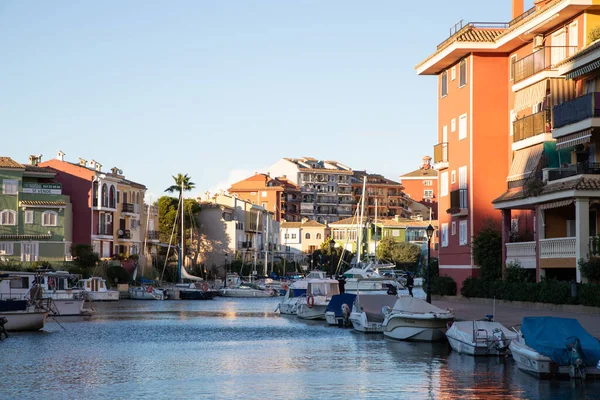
(297,292)
(336,302)
(549,336)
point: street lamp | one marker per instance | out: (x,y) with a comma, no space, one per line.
(429,231)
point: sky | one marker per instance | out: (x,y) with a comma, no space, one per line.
(223,89)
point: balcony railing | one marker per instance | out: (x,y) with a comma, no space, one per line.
(128,207)
(557,248)
(153,235)
(553,174)
(461,27)
(126,234)
(532,125)
(541,59)
(578,109)
(458,199)
(440,153)
(522,253)
(105,230)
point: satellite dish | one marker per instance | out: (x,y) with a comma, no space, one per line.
(120,231)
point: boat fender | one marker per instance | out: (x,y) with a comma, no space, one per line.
(449,324)
(310,301)
(204,286)
(345,310)
(385,310)
(51,283)
(285,287)
(149,289)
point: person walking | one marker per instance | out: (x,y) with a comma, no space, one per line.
(410,283)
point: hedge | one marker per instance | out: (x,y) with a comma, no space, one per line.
(443,286)
(547,291)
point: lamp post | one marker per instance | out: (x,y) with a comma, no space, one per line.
(331,249)
(429,231)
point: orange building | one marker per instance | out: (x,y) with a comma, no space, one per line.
(422,185)
(384,198)
(278,195)
(497,85)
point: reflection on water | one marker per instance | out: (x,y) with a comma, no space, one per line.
(239,348)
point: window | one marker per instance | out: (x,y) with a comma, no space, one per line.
(462,177)
(445,134)
(427,183)
(444,83)
(286,236)
(462,71)
(511,67)
(445,235)
(6,248)
(293,236)
(453,125)
(462,127)
(573,38)
(49,218)
(8,217)
(444,184)
(307,236)
(453,73)
(318,236)
(264,205)
(462,234)
(428,193)
(453,228)
(453,177)
(395,232)
(513,117)
(29,217)
(10,186)
(264,194)
(133,224)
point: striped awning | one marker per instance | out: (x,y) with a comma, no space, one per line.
(556,204)
(586,69)
(574,139)
(525,162)
(530,96)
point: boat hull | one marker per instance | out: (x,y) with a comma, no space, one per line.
(479,338)
(289,306)
(24,321)
(315,312)
(417,329)
(143,294)
(111,295)
(242,293)
(196,295)
(68,307)
(361,324)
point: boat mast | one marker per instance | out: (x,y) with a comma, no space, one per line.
(375,246)
(255,252)
(266,246)
(360,223)
(146,237)
(182,232)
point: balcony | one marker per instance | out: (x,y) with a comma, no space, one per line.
(106,230)
(107,204)
(124,234)
(440,156)
(575,116)
(542,59)
(153,235)
(554,248)
(458,203)
(532,125)
(245,245)
(554,174)
(128,208)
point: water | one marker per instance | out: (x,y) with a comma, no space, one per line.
(239,348)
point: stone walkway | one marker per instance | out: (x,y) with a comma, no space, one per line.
(508,316)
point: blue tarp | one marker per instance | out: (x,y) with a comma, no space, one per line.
(145,281)
(549,336)
(297,292)
(336,302)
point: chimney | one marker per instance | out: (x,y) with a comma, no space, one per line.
(426,163)
(34,160)
(82,162)
(518,8)
(397,218)
(95,165)
(60,155)
(539,4)
(114,170)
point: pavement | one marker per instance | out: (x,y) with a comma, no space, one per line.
(513,315)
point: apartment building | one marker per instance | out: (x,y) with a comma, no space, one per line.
(325,187)
(498,87)
(384,198)
(107,207)
(35,214)
(277,195)
(422,185)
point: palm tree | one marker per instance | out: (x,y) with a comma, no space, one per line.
(179,180)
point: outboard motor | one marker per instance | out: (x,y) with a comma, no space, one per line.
(577,365)
(500,341)
(346,314)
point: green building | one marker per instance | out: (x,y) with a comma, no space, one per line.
(35,217)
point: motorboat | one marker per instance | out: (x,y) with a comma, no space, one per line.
(246,289)
(367,312)
(147,292)
(96,289)
(296,292)
(22,315)
(195,291)
(414,319)
(338,310)
(318,294)
(553,347)
(480,338)
(366,279)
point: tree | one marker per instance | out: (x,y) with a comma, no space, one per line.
(487,251)
(168,215)
(181,180)
(385,248)
(406,253)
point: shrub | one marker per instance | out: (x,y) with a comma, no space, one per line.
(594,34)
(117,272)
(487,251)
(590,269)
(84,255)
(589,294)
(513,273)
(443,286)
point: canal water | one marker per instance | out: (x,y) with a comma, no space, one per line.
(239,348)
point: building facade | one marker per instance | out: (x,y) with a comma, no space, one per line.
(422,185)
(35,215)
(384,198)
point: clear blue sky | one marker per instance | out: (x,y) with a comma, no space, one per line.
(219,89)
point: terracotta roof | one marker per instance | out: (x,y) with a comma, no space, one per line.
(7,162)
(27,237)
(345,221)
(582,183)
(421,172)
(313,224)
(35,168)
(42,203)
(290,225)
(479,35)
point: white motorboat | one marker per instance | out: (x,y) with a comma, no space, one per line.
(318,295)
(363,278)
(147,292)
(246,289)
(338,310)
(480,338)
(415,319)
(552,347)
(297,292)
(21,316)
(95,288)
(367,312)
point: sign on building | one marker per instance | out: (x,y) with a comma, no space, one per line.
(42,188)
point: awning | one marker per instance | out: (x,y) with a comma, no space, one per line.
(574,139)
(556,204)
(586,69)
(530,96)
(561,90)
(525,162)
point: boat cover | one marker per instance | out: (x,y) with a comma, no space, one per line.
(297,292)
(372,304)
(411,304)
(335,304)
(463,330)
(549,336)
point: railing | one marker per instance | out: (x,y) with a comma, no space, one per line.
(553,174)
(522,16)
(557,248)
(541,59)
(105,230)
(522,253)
(458,198)
(461,27)
(245,245)
(440,153)
(126,234)
(153,235)
(128,207)
(532,125)
(578,109)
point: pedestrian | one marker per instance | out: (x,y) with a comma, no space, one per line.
(410,283)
